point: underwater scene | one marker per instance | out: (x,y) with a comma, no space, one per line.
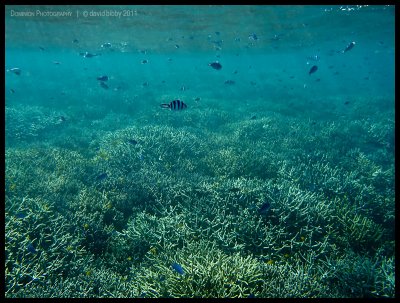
(199,151)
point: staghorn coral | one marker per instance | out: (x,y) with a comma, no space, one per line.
(189,191)
(295,278)
(39,247)
(25,123)
(358,231)
(360,276)
(163,233)
(208,273)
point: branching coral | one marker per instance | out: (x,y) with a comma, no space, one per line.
(208,273)
(274,206)
(39,247)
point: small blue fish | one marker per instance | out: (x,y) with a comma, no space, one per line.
(31,248)
(178,268)
(132,141)
(101,177)
(264,208)
(20,215)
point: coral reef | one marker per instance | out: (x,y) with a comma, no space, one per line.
(276,206)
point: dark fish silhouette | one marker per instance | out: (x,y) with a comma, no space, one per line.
(101,177)
(145,61)
(15,70)
(178,268)
(88,55)
(102,78)
(215,65)
(229,82)
(264,208)
(253,37)
(313,69)
(174,105)
(349,47)
(20,215)
(31,248)
(132,141)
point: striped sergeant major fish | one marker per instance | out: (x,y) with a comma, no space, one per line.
(174,105)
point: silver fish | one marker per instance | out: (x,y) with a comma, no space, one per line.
(15,70)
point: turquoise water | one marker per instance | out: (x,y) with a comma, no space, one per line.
(106,190)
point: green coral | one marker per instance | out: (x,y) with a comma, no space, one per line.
(187,188)
(209,272)
(361,276)
(56,252)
